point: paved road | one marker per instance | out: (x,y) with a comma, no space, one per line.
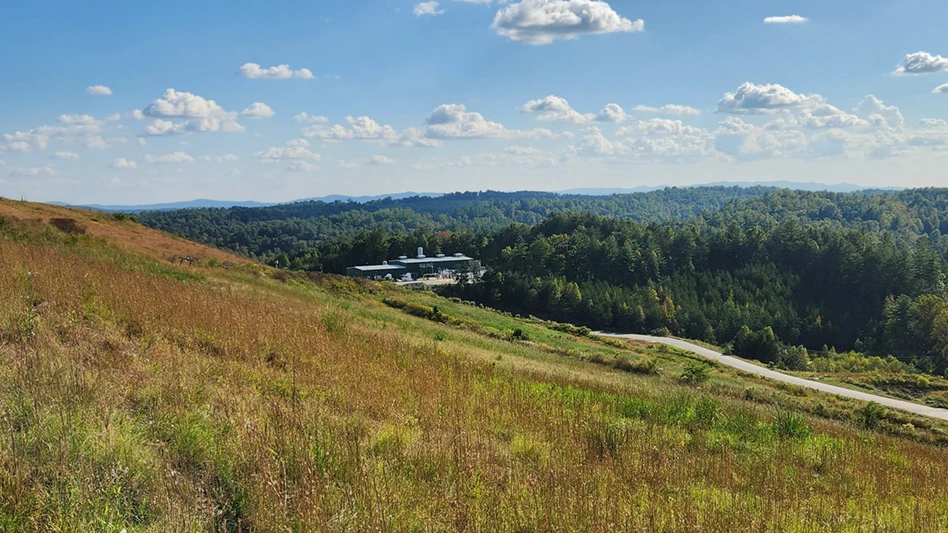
(746,366)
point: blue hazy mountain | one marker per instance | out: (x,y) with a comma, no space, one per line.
(589,191)
(223,204)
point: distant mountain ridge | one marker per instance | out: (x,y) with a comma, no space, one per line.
(799,186)
(170,206)
(204,203)
(588,191)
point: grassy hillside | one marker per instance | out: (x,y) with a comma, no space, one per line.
(140,394)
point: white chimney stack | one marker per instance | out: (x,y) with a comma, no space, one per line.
(421,252)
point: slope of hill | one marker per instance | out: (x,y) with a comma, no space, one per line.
(145,395)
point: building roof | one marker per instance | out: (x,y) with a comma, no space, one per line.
(376,268)
(445,259)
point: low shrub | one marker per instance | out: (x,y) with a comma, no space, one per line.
(937,400)
(423,311)
(579,331)
(529,450)
(830,361)
(789,425)
(334,322)
(645,365)
(122,217)
(68,225)
(695,373)
(607,438)
(870,415)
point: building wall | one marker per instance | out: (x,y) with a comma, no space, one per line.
(354,272)
(416,269)
(434,267)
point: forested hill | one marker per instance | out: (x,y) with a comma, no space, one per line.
(293,229)
(864,271)
(759,269)
(755,289)
(908,213)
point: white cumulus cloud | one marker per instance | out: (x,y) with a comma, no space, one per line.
(180,104)
(751,98)
(742,141)
(669,109)
(34,171)
(358,128)
(922,63)
(304,118)
(611,113)
(99,90)
(66,155)
(166,127)
(554,108)
(279,72)
(296,149)
(820,116)
(82,120)
(96,143)
(595,145)
(427,8)
(818,130)
(367,129)
(81,129)
(659,126)
(301,166)
(454,121)
(544,21)
(941,89)
(203,115)
(19,146)
(71,129)
(220,158)
(381,160)
(257,110)
(877,113)
(121,162)
(173,158)
(788,19)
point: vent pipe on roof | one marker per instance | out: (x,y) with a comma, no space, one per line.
(421,253)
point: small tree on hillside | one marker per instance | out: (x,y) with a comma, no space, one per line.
(793,358)
(745,342)
(768,347)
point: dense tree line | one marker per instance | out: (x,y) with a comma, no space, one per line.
(295,229)
(801,285)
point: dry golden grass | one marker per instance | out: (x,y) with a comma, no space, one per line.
(127,235)
(134,397)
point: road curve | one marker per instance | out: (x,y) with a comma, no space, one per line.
(746,366)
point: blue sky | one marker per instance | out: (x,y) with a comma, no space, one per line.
(131,102)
